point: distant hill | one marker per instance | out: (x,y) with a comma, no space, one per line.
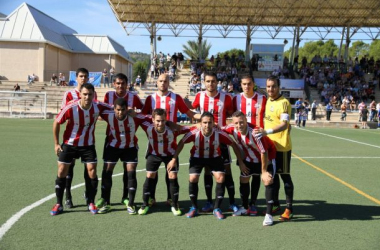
(139,56)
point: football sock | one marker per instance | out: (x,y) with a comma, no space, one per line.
(167,181)
(219,192)
(60,184)
(174,192)
(93,189)
(87,181)
(153,187)
(193,193)
(230,185)
(132,185)
(277,185)
(244,194)
(125,184)
(106,185)
(289,190)
(255,187)
(147,187)
(269,198)
(69,180)
(208,186)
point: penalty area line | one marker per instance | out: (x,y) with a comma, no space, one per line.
(17,216)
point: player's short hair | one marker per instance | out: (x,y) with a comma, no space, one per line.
(87,86)
(274,79)
(120,102)
(82,70)
(207,114)
(120,76)
(210,73)
(238,114)
(247,76)
(158,111)
(167,78)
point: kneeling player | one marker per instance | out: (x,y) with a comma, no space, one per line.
(206,152)
(256,163)
(121,144)
(161,148)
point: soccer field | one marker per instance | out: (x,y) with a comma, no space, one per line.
(337,199)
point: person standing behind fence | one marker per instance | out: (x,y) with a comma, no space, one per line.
(329,108)
(313,110)
(105,78)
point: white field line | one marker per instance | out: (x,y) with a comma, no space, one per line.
(11,221)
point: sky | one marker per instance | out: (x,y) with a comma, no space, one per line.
(95,17)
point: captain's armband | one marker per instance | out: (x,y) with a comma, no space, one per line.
(284,117)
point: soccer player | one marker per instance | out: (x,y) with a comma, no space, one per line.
(161,148)
(172,103)
(277,127)
(252,104)
(82,75)
(120,83)
(206,151)
(121,144)
(256,152)
(78,141)
(220,105)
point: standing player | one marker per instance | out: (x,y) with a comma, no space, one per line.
(121,144)
(120,83)
(161,148)
(220,105)
(170,102)
(256,153)
(277,127)
(252,104)
(78,141)
(206,151)
(70,96)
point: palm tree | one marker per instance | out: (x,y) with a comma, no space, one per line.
(191,49)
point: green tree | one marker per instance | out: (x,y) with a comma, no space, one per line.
(140,68)
(358,49)
(191,49)
(231,52)
(374,49)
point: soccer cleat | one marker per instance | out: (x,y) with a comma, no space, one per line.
(176,211)
(92,208)
(151,202)
(104,209)
(268,220)
(192,212)
(241,211)
(131,210)
(287,215)
(233,208)
(169,202)
(125,201)
(100,203)
(143,211)
(208,207)
(69,203)
(252,210)
(218,214)
(57,209)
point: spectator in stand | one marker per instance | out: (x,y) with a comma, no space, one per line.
(31,78)
(53,79)
(138,81)
(353,104)
(329,108)
(364,115)
(373,113)
(16,87)
(62,79)
(105,78)
(313,110)
(343,110)
(360,107)
(152,69)
(112,73)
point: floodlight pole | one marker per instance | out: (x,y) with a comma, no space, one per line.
(247,45)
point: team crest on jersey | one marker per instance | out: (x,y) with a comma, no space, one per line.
(220,103)
(257,105)
(171,102)
(271,108)
(215,143)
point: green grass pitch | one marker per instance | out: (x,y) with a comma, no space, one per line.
(336,202)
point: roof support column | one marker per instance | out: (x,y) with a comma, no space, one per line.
(200,34)
(347,45)
(292,54)
(247,44)
(152,40)
(298,40)
(340,47)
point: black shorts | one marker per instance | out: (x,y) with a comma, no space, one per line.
(153,162)
(283,162)
(225,150)
(127,155)
(255,169)
(197,164)
(69,153)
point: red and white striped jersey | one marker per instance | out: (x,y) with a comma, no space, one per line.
(218,105)
(162,144)
(80,124)
(271,148)
(122,132)
(132,99)
(73,95)
(253,108)
(252,146)
(171,102)
(206,146)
